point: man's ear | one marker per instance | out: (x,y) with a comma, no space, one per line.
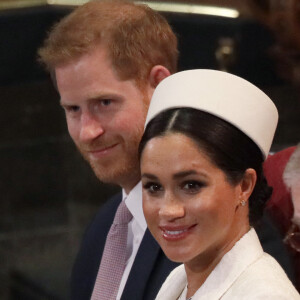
(157,74)
(247,184)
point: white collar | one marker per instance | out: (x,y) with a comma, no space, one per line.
(135,205)
(244,253)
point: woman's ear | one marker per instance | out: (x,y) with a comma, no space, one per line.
(157,74)
(247,185)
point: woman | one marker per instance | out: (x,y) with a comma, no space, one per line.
(207,135)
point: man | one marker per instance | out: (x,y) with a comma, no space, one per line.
(106,59)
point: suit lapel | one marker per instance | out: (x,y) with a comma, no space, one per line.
(141,269)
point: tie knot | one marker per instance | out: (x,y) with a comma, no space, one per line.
(123,215)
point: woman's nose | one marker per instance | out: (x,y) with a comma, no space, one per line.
(171,208)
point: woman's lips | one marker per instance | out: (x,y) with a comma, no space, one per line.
(176,233)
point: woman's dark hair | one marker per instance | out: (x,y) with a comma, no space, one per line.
(226,146)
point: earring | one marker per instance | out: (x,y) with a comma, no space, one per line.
(243,202)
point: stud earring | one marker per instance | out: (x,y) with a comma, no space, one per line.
(243,202)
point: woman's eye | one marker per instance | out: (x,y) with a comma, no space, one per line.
(192,186)
(152,187)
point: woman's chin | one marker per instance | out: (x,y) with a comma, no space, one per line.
(176,256)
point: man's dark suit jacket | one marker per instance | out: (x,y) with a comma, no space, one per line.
(149,271)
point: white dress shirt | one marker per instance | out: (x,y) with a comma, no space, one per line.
(136,230)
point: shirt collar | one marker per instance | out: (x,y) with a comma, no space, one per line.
(134,203)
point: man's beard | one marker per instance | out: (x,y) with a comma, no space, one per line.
(122,166)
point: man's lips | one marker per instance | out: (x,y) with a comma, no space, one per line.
(174,233)
(101,151)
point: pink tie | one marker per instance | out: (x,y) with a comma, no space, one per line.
(114,257)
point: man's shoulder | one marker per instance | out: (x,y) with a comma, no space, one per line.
(110,205)
(106,212)
(99,226)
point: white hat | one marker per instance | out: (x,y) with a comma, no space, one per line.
(224,95)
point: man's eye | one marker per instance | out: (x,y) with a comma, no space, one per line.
(105,102)
(152,187)
(71,108)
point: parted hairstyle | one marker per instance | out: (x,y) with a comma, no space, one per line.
(226,146)
(136,37)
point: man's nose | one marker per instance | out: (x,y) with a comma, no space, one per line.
(91,127)
(171,208)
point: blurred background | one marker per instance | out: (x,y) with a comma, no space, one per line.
(48,193)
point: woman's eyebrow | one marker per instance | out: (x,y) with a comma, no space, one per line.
(187,173)
(149,176)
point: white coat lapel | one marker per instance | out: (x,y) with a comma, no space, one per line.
(244,253)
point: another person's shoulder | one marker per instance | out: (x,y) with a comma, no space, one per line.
(280,204)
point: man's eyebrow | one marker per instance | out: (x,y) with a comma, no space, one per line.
(65,103)
(100,96)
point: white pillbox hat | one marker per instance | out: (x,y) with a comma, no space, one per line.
(224,95)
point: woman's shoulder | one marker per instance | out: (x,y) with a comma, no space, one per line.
(264,279)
